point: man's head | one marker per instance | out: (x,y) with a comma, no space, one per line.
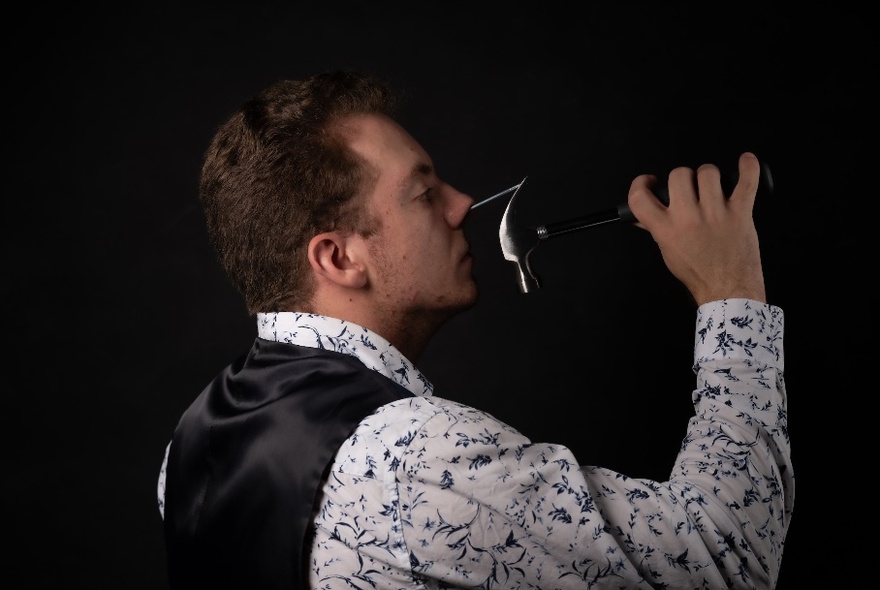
(317,200)
(276,173)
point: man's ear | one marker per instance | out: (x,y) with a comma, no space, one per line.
(339,258)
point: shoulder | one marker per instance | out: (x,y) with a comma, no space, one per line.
(428,416)
(394,429)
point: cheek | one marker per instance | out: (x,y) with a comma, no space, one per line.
(418,247)
(393,265)
(407,259)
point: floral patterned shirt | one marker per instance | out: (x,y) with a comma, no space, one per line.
(429,493)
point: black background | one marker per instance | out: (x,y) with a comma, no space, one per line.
(117,312)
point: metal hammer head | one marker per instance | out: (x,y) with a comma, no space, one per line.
(517,243)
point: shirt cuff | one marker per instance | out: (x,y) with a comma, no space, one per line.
(739,328)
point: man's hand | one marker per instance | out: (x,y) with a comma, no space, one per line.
(708,240)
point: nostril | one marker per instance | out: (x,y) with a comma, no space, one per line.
(458,206)
(455,216)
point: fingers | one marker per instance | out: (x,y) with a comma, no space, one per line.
(707,238)
(642,202)
(650,211)
(694,194)
(711,201)
(746,189)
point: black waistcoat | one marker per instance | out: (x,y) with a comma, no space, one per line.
(248,459)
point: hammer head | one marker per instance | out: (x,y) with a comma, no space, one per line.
(517,243)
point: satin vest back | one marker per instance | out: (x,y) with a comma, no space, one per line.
(248,459)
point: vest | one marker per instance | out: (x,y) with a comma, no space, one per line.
(249,457)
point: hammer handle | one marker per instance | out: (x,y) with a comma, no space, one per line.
(728,182)
(623,213)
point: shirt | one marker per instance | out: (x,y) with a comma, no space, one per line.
(431,493)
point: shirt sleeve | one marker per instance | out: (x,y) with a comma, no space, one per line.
(482,506)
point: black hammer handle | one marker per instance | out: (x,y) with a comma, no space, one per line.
(728,182)
(622,212)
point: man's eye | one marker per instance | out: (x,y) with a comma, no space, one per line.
(427,195)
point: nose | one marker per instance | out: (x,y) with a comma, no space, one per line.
(457,206)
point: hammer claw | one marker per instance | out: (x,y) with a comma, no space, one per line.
(517,243)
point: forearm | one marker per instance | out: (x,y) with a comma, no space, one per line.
(734,466)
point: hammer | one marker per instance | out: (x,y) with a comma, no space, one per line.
(518,241)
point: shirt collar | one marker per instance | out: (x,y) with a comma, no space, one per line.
(326,333)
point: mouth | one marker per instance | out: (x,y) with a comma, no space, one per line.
(467,253)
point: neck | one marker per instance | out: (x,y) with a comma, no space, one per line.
(410,335)
(409,332)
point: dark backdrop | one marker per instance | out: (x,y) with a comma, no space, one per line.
(117,312)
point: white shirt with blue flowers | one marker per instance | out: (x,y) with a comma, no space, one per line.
(430,493)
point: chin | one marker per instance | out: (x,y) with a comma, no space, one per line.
(474,294)
(469,299)
(459,301)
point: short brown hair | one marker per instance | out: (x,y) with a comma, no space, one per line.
(278,172)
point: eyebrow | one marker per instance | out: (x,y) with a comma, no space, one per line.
(419,171)
(422,169)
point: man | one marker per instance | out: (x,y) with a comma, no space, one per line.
(322,458)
